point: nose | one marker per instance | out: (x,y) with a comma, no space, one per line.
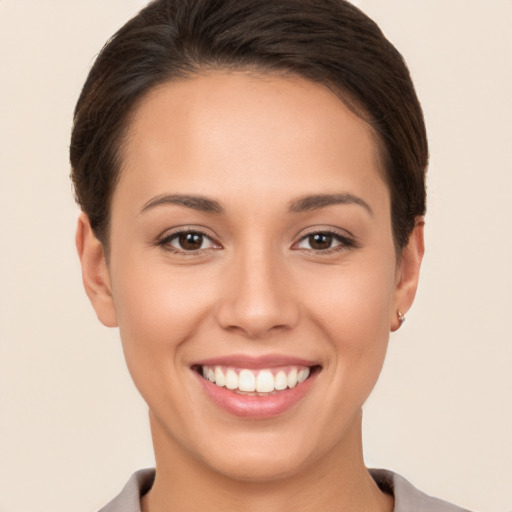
(258,298)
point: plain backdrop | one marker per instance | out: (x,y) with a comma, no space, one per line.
(72,427)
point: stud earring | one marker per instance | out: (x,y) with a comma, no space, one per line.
(401,318)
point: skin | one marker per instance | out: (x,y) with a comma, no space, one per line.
(255,145)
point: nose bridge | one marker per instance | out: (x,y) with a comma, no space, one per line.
(258,297)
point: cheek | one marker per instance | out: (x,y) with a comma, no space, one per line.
(158,307)
(159,310)
(353,303)
(353,313)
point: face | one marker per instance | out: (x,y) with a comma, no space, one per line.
(252,271)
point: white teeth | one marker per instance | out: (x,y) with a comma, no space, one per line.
(219,377)
(303,375)
(231,379)
(292,378)
(246,381)
(265,382)
(280,381)
(254,381)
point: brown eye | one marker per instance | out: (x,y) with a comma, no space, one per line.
(325,241)
(187,241)
(190,241)
(320,241)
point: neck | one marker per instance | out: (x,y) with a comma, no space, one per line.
(338,481)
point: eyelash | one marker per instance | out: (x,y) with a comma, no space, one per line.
(166,242)
(344,242)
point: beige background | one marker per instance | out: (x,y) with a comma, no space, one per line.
(72,428)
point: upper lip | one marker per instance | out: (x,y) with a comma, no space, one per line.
(255,362)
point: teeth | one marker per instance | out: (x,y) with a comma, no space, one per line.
(246,381)
(253,381)
(219,377)
(292,378)
(280,381)
(302,375)
(265,382)
(231,379)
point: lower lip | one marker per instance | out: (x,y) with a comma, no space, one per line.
(256,407)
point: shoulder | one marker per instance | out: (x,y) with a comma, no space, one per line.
(128,500)
(407,497)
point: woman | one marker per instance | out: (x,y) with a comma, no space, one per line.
(251,176)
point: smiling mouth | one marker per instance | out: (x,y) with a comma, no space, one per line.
(256,382)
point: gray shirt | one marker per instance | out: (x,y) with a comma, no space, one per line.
(407,497)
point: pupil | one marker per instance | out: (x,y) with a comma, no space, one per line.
(191,241)
(320,241)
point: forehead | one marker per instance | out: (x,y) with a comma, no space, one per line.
(224,132)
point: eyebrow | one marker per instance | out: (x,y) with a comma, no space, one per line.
(302,204)
(195,202)
(318,201)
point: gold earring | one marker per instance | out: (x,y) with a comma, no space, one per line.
(401,318)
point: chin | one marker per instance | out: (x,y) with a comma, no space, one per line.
(262,457)
(259,467)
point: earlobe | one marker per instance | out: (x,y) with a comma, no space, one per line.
(408,274)
(95,273)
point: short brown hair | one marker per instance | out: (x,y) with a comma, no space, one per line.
(330,42)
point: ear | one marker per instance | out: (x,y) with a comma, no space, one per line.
(408,273)
(95,273)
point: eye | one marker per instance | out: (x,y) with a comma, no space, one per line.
(187,241)
(325,241)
